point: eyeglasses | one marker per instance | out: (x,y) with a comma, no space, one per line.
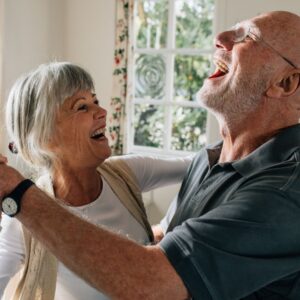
(242,33)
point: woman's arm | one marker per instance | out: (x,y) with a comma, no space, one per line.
(153,172)
(12,250)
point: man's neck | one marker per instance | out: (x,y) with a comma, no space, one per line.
(239,144)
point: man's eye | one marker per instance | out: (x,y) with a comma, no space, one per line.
(248,38)
(96,102)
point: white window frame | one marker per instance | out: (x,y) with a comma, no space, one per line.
(169,52)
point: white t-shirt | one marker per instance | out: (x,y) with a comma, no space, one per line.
(107,210)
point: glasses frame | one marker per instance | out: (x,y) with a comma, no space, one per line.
(253,36)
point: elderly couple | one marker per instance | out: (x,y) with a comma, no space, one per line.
(233,231)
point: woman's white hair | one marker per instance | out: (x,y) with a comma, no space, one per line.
(32,106)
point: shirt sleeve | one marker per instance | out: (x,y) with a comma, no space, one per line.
(153,172)
(12,250)
(238,247)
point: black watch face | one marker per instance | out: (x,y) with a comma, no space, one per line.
(9,206)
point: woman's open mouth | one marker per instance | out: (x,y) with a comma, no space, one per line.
(221,69)
(98,134)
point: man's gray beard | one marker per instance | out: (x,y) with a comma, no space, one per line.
(236,100)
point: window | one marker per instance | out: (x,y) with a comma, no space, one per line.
(172,53)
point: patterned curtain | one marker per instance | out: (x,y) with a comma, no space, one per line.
(121,80)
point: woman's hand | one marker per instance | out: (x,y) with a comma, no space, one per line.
(157,233)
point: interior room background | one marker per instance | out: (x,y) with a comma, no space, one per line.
(83,32)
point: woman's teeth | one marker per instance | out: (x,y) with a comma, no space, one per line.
(98,133)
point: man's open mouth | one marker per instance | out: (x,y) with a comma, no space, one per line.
(98,134)
(221,69)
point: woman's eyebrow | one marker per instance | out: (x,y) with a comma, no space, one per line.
(73,102)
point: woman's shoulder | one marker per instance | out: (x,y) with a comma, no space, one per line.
(44,182)
(43,179)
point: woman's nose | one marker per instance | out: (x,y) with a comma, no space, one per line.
(100,112)
(225,40)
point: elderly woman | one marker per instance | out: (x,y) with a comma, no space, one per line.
(56,123)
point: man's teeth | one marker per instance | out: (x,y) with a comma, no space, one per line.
(98,132)
(221,66)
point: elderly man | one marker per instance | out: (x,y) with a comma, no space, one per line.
(236,230)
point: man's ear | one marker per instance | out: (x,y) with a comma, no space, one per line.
(286,86)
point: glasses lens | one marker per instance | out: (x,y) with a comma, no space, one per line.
(240,34)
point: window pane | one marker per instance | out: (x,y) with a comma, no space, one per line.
(150,73)
(190,72)
(148,125)
(194,23)
(188,130)
(151,23)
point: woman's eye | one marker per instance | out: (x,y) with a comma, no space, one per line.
(82,107)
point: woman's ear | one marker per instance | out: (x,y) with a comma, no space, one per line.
(286,86)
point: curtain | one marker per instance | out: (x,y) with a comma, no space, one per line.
(121,81)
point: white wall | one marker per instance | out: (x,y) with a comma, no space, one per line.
(89,40)
(233,11)
(29,37)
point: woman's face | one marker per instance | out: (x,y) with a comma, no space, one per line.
(79,134)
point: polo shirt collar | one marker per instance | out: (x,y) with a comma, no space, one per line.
(276,150)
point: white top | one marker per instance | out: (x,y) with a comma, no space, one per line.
(107,210)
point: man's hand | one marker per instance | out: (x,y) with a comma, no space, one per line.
(3,159)
(9,177)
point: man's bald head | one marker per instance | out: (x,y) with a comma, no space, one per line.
(281,29)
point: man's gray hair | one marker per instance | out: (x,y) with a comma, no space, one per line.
(33,103)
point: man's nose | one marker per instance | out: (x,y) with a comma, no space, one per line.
(225,40)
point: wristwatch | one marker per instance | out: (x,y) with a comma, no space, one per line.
(11,204)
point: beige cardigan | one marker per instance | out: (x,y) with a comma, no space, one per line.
(38,280)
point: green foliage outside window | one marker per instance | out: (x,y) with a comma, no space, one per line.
(193,30)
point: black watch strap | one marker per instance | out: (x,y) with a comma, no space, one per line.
(19,191)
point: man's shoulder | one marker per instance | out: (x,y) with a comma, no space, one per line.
(283,177)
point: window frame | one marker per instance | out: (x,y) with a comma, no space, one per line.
(169,52)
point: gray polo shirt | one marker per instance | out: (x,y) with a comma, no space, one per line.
(236,230)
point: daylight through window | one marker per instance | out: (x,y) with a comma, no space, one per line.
(172,54)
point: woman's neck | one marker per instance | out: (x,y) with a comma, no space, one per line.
(76,187)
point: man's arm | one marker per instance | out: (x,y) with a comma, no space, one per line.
(119,267)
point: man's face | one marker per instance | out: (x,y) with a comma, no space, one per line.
(242,74)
